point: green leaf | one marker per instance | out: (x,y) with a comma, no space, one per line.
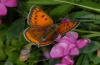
(43,2)
(15,29)
(8,62)
(14,25)
(91,47)
(61,10)
(53,61)
(78,14)
(1,44)
(91,35)
(3,56)
(94,58)
(85,60)
(84,4)
(20,62)
(91,5)
(79,61)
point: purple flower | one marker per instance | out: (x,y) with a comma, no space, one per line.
(8,3)
(3,10)
(46,52)
(82,42)
(67,60)
(67,46)
(61,64)
(65,20)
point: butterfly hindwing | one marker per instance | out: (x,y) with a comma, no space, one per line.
(34,34)
(67,26)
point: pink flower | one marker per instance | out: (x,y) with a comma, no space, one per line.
(61,64)
(58,38)
(82,42)
(65,20)
(8,3)
(46,52)
(67,46)
(3,10)
(67,60)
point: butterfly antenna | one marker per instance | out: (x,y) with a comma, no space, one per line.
(55,21)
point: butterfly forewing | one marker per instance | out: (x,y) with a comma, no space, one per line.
(38,17)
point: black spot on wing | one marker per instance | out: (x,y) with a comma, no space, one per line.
(45,18)
(42,16)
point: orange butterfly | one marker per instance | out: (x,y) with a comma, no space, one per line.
(42,30)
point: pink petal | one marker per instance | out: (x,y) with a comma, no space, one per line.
(65,20)
(61,64)
(82,42)
(56,51)
(3,10)
(70,49)
(58,38)
(74,51)
(46,53)
(66,39)
(68,60)
(0,21)
(72,35)
(9,3)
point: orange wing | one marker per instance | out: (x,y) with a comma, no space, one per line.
(38,17)
(34,34)
(67,26)
(40,25)
(41,36)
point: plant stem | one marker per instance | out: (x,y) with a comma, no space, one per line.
(84,31)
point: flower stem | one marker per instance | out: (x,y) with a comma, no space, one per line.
(84,31)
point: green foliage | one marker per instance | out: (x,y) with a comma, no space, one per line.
(95,59)
(12,40)
(61,10)
(93,46)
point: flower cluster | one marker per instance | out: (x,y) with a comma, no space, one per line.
(3,4)
(66,47)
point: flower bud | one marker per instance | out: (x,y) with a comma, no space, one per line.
(82,42)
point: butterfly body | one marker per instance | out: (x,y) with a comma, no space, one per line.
(42,30)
